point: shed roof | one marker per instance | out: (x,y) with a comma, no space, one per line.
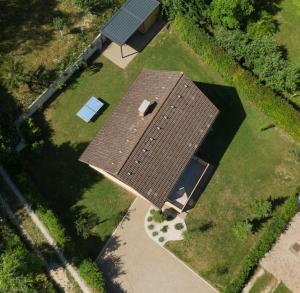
(128,19)
(150,153)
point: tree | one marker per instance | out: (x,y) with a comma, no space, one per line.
(231,14)
(13,74)
(261,208)
(58,24)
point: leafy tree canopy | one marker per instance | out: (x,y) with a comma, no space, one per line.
(231,13)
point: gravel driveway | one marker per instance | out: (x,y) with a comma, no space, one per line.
(134,263)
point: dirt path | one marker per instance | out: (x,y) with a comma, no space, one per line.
(51,242)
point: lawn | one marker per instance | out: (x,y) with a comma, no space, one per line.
(288,34)
(289,28)
(249,163)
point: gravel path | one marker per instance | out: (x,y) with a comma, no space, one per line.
(45,232)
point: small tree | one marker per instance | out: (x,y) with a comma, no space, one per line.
(242,229)
(261,208)
(58,24)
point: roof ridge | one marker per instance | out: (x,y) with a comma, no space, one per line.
(182,74)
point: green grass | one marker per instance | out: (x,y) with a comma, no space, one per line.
(263,282)
(289,28)
(282,289)
(249,163)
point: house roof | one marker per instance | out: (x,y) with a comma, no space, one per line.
(128,19)
(150,153)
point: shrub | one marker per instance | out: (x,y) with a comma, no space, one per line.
(247,85)
(149,219)
(261,208)
(270,235)
(152,211)
(89,271)
(242,229)
(158,216)
(161,239)
(151,227)
(179,226)
(53,225)
(164,229)
(155,233)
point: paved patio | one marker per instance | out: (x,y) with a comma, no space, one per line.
(281,261)
(135,45)
(132,262)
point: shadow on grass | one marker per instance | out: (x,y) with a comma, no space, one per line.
(227,124)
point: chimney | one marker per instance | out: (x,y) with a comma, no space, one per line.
(144,108)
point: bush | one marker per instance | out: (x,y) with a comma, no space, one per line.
(155,233)
(164,229)
(179,226)
(158,216)
(151,227)
(242,229)
(161,239)
(261,208)
(89,271)
(277,225)
(248,87)
(149,219)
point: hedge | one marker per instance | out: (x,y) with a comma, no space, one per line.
(246,84)
(277,225)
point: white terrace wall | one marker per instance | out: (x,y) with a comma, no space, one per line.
(96,45)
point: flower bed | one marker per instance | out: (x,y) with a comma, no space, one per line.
(167,230)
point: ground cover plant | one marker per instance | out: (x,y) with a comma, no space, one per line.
(250,164)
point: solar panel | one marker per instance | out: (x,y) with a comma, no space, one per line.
(90,109)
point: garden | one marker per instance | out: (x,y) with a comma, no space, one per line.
(253,163)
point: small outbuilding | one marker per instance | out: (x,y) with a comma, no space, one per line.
(134,15)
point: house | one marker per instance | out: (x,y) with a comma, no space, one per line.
(148,143)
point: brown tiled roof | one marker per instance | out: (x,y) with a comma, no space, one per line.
(150,153)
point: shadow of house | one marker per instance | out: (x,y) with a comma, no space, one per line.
(232,115)
(230,118)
